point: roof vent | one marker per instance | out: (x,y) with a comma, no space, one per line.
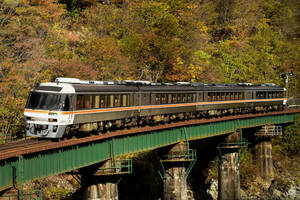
(270,84)
(245,84)
(137,82)
(197,84)
(67,80)
(168,84)
(156,84)
(183,83)
(143,82)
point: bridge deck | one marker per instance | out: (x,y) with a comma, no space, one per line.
(40,159)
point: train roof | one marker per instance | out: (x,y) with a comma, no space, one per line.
(71,85)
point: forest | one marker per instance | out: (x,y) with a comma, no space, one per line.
(209,41)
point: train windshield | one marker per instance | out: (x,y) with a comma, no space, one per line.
(45,101)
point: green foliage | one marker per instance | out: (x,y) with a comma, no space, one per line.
(248,169)
(290,139)
(57,193)
(73,7)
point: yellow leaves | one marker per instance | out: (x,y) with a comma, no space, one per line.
(192,6)
(202,27)
(195,71)
(12,3)
(179,61)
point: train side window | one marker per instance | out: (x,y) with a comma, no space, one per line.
(231,95)
(102,101)
(259,95)
(179,98)
(209,97)
(163,98)
(222,96)
(97,101)
(194,97)
(227,96)
(189,98)
(213,96)
(117,102)
(157,98)
(240,95)
(174,98)
(88,102)
(124,100)
(129,101)
(80,102)
(183,98)
(235,96)
(169,98)
(110,101)
(217,94)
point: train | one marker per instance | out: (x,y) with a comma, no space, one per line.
(71,106)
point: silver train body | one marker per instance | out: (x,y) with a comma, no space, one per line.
(54,109)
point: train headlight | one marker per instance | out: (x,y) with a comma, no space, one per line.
(52,120)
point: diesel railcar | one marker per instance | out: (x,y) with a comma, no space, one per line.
(67,105)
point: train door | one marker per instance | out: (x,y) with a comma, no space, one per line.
(70,101)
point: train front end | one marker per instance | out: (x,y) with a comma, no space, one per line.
(49,110)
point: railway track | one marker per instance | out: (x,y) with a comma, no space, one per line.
(14,149)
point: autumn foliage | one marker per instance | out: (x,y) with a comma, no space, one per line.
(217,41)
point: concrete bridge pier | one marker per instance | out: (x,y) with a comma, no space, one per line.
(229,172)
(263,157)
(107,190)
(229,177)
(101,183)
(263,150)
(175,185)
(177,165)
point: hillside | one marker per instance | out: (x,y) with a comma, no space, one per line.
(217,41)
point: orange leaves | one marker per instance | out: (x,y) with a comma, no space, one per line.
(48,9)
(74,68)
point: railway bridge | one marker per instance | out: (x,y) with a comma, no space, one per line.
(95,160)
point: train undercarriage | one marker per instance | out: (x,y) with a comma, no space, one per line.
(102,127)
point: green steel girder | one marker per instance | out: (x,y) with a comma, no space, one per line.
(56,161)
